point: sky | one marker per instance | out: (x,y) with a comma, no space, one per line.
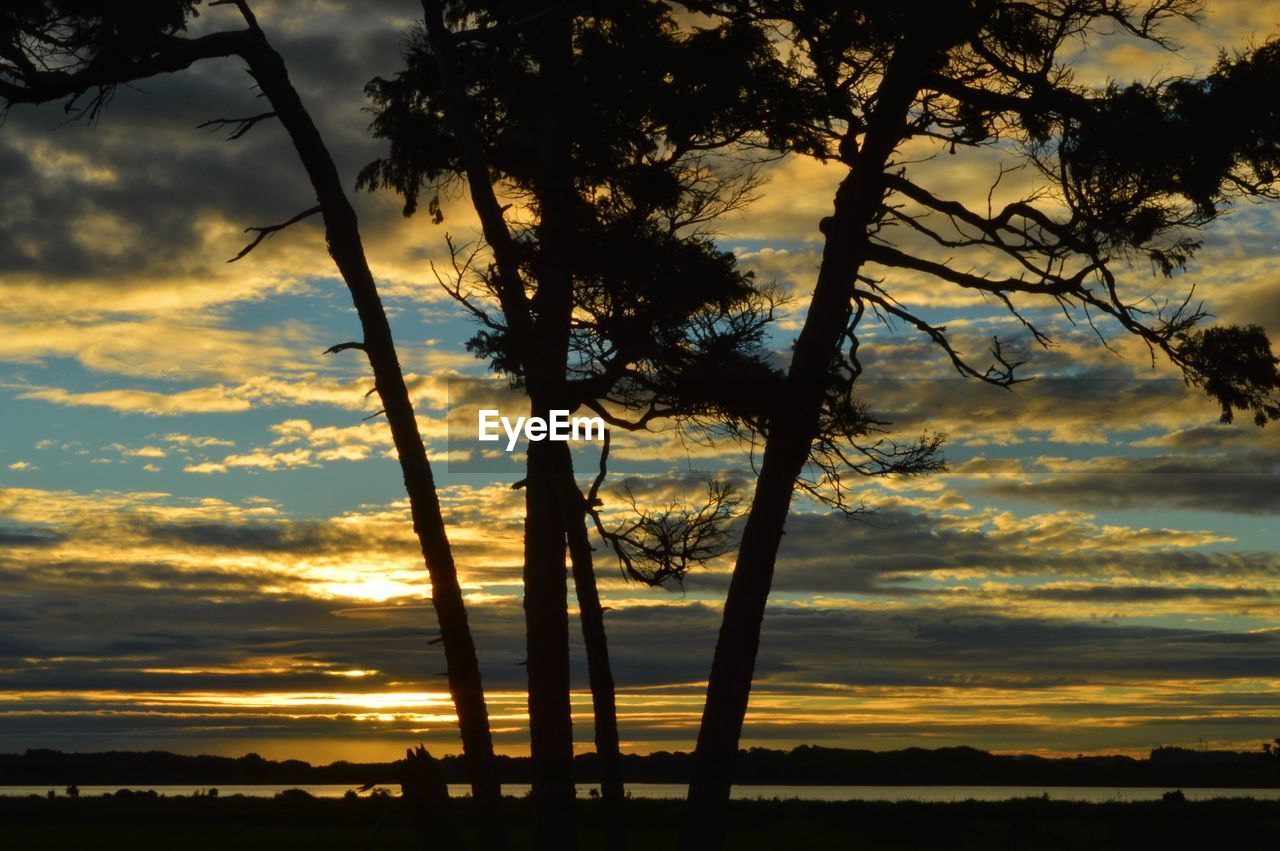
(204,541)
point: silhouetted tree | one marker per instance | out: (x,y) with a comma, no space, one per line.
(643,319)
(602,122)
(78,51)
(1125,173)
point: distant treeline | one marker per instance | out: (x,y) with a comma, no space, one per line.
(1172,767)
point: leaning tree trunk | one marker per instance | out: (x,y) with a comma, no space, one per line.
(599,670)
(343,237)
(793,425)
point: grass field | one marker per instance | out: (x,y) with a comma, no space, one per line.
(295,821)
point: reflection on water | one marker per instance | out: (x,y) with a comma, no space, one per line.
(1096,794)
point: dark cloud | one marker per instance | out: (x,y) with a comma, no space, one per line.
(165,182)
(895,550)
(11,536)
(1076,392)
(1212,437)
(1144,593)
(980,648)
(1239,483)
(146,166)
(279,538)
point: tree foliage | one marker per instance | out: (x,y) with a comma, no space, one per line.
(651,173)
(673,125)
(100,40)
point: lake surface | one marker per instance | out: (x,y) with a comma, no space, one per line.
(1095,794)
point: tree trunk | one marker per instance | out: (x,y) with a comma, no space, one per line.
(545,356)
(343,237)
(599,670)
(792,427)
(426,794)
(547,639)
(539,333)
(787,447)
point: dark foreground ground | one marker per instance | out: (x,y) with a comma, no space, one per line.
(138,822)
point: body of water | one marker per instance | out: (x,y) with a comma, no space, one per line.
(1094,794)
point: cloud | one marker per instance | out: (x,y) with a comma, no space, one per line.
(1243,482)
(27,537)
(299,389)
(299,443)
(196,441)
(195,614)
(337,443)
(138,451)
(162,347)
(203,400)
(205,468)
(1143,593)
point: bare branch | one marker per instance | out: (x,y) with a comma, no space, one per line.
(102,74)
(659,548)
(593,496)
(271,230)
(242,125)
(463,260)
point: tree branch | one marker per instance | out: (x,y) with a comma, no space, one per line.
(271,230)
(242,125)
(172,53)
(342,347)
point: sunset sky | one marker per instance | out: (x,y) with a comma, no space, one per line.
(205,547)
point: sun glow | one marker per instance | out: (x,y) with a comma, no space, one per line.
(374,589)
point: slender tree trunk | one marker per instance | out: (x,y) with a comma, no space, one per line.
(539,333)
(550,465)
(793,426)
(599,670)
(547,635)
(343,237)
